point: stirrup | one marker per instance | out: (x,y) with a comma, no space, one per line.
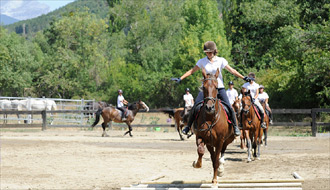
(263,125)
(123,119)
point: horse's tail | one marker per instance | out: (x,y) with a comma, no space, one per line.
(168,111)
(97,119)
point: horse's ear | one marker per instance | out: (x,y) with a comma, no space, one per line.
(217,73)
(204,73)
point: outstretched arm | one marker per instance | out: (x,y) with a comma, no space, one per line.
(190,72)
(233,71)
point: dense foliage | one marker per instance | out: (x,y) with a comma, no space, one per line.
(138,46)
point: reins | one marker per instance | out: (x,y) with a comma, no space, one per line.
(216,114)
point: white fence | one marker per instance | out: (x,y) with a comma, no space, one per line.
(59,118)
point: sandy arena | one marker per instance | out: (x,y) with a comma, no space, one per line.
(78,159)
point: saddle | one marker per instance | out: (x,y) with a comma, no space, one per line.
(120,112)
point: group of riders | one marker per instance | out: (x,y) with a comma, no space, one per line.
(211,63)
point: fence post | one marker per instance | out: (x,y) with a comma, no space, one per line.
(44,119)
(314,127)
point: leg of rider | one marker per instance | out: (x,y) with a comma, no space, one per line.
(191,118)
(270,113)
(222,95)
(256,101)
(122,109)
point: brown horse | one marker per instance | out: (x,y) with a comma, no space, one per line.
(212,129)
(180,122)
(251,126)
(266,119)
(112,114)
(237,108)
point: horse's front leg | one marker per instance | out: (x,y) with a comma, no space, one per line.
(242,137)
(200,151)
(216,164)
(259,141)
(265,139)
(249,146)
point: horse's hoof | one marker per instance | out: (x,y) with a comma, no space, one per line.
(214,185)
(195,165)
(258,158)
(249,160)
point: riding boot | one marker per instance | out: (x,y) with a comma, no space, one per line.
(190,121)
(123,118)
(237,132)
(263,124)
(270,118)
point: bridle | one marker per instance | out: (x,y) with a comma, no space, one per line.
(248,110)
(216,113)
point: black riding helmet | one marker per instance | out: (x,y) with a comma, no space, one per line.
(210,46)
(230,83)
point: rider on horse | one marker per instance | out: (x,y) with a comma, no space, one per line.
(120,104)
(211,63)
(232,93)
(188,102)
(263,97)
(254,90)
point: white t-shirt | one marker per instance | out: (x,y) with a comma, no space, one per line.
(232,94)
(252,87)
(263,96)
(120,99)
(211,68)
(188,98)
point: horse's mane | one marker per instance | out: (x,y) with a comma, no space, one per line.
(132,106)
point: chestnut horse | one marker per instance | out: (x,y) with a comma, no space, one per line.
(178,119)
(251,126)
(237,108)
(112,114)
(266,119)
(212,129)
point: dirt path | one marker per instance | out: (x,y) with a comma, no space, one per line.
(84,160)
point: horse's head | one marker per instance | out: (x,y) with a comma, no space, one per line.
(138,105)
(237,106)
(246,102)
(210,91)
(143,105)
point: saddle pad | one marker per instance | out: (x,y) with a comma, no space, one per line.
(120,112)
(257,111)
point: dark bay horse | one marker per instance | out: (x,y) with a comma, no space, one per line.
(180,122)
(212,129)
(112,114)
(251,126)
(237,108)
(266,119)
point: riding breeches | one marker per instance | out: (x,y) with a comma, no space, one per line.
(256,102)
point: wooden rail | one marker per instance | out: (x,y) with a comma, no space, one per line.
(313,112)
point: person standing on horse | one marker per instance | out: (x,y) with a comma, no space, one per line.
(121,102)
(254,90)
(232,93)
(263,97)
(188,102)
(211,63)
